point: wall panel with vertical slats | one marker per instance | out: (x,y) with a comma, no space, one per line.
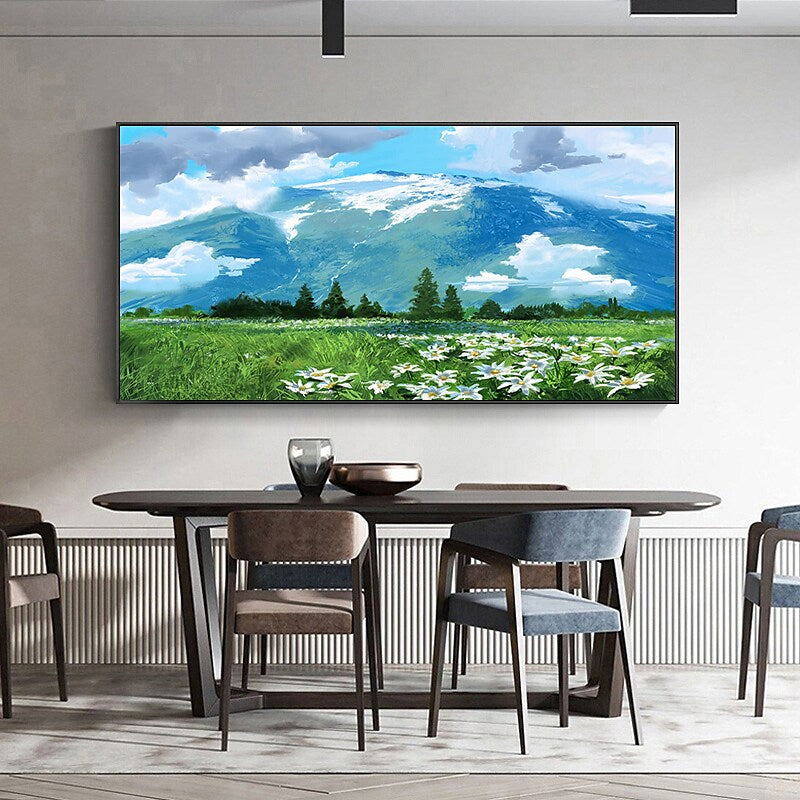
(121,598)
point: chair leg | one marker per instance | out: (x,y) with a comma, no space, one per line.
(263,655)
(464,648)
(57,622)
(358,661)
(5,659)
(586,593)
(744,656)
(439,637)
(514,606)
(457,631)
(372,650)
(763,651)
(246,660)
(573,669)
(563,679)
(225,698)
(626,648)
(374,555)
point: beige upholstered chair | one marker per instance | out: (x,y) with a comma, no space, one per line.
(477,576)
(22,590)
(296,537)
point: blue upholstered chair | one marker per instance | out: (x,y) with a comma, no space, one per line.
(558,537)
(532,576)
(766,590)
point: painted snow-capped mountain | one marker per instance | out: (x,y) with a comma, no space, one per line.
(375,232)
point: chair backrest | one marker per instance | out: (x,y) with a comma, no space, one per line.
(523,487)
(596,534)
(17,515)
(301,535)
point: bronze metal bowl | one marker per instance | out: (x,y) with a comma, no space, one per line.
(375,478)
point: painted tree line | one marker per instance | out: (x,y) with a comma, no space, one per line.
(426,304)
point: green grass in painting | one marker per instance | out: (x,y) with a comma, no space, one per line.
(216,359)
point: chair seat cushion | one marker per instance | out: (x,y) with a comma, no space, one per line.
(531,576)
(544,612)
(785,590)
(293,611)
(25,589)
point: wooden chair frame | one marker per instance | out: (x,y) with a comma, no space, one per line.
(47,532)
(451,550)
(363,580)
(765,538)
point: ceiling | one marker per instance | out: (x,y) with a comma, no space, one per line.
(381,18)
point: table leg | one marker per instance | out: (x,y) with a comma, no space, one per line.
(602,695)
(200,615)
(376,583)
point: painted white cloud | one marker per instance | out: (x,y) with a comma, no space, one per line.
(651,146)
(540,262)
(187,264)
(490,282)
(186,196)
(563,268)
(488,147)
(659,201)
(582,283)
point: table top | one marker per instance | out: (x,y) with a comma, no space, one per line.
(421,506)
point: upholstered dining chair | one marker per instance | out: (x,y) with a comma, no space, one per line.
(296,537)
(302,576)
(311,576)
(766,590)
(558,537)
(532,576)
(22,590)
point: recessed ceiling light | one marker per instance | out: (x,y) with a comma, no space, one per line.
(683,7)
(333,28)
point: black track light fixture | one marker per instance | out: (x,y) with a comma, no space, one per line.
(683,7)
(333,28)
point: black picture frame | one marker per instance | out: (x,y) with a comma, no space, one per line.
(447,403)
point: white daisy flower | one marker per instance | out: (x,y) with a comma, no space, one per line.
(576,358)
(596,375)
(650,344)
(521,383)
(486,371)
(314,374)
(403,369)
(468,393)
(615,352)
(627,382)
(379,387)
(540,365)
(442,377)
(299,387)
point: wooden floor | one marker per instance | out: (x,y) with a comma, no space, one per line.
(400,787)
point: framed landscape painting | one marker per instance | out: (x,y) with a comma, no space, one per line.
(450,262)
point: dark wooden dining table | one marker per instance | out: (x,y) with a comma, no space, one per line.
(600,696)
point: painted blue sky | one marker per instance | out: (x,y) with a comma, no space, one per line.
(171,172)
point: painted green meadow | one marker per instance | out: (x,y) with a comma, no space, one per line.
(395,359)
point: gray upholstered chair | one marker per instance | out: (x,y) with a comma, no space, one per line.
(293,537)
(766,590)
(560,537)
(471,576)
(22,590)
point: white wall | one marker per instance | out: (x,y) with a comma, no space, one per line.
(735,432)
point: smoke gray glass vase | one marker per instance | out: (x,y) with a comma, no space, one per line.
(310,461)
